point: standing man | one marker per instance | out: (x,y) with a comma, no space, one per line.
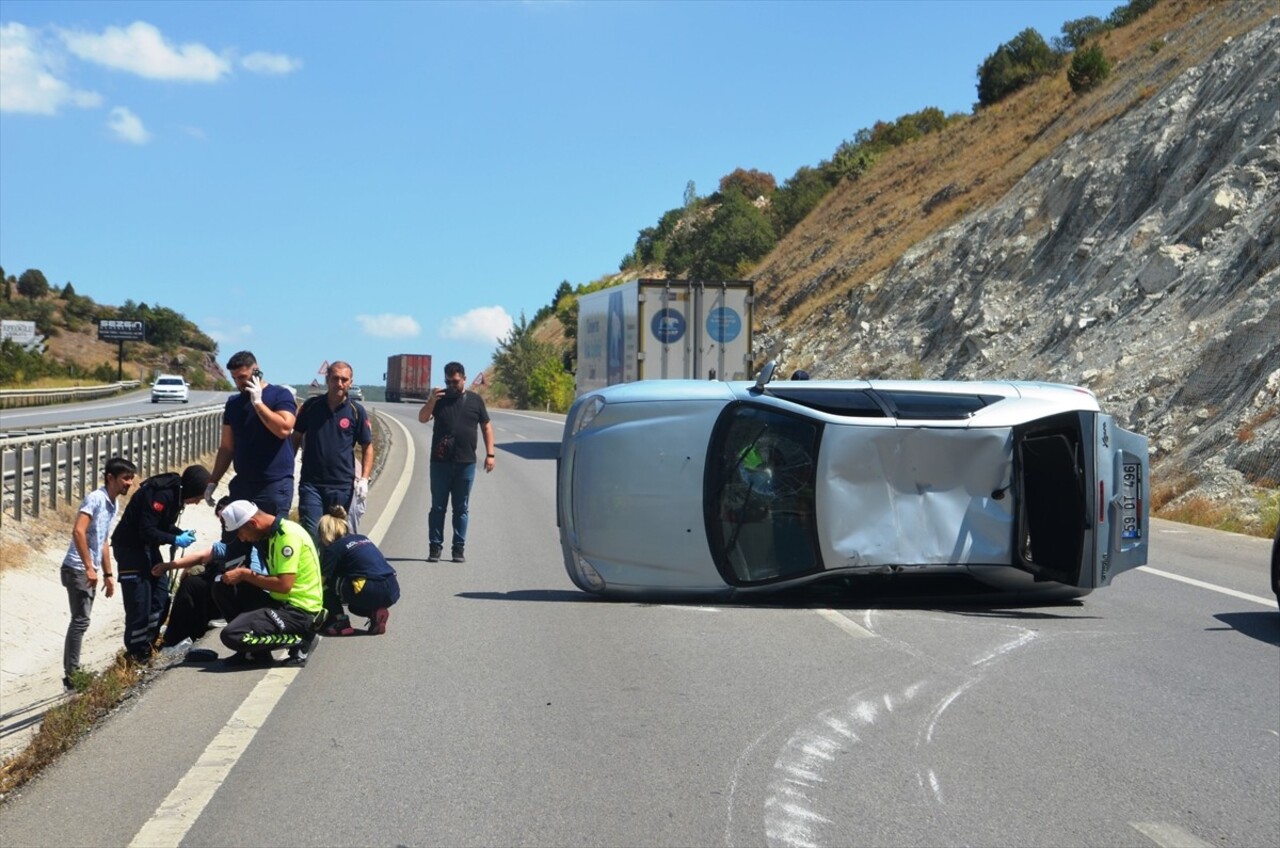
(329,428)
(256,424)
(292,581)
(457,413)
(89,557)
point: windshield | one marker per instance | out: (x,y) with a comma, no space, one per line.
(760,495)
(170,381)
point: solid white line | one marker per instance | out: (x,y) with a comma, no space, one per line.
(178,812)
(1244,596)
(402,485)
(556,421)
(845,623)
(1168,835)
(175,815)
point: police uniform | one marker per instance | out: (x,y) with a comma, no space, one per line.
(291,618)
(149,521)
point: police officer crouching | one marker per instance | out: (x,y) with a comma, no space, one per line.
(292,581)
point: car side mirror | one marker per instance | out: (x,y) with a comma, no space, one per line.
(765,375)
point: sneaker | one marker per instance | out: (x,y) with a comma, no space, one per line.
(339,626)
(67,685)
(301,652)
(434,554)
(378,621)
(177,650)
(217,622)
(457,554)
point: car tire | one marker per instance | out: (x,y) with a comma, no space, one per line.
(154,400)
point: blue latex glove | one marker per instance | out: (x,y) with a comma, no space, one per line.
(185,539)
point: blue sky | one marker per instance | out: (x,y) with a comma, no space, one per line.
(317,181)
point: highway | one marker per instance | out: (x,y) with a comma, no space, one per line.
(130,405)
(504,707)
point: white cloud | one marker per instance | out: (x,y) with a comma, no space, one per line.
(226,335)
(270,63)
(127,126)
(30,76)
(487,324)
(141,49)
(387,326)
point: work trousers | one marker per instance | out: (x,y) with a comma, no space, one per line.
(276,626)
(146,603)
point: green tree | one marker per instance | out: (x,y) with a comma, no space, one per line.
(738,235)
(68,291)
(550,387)
(1014,65)
(33,284)
(1130,12)
(751,183)
(796,198)
(1075,34)
(1089,67)
(690,194)
(567,315)
(518,356)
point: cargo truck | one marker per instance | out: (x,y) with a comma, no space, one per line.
(408,377)
(664,329)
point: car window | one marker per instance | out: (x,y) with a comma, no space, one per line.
(852,402)
(760,495)
(170,381)
(935,405)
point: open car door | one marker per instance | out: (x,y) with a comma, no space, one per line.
(1123,478)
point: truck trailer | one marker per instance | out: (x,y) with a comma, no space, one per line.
(664,329)
(408,377)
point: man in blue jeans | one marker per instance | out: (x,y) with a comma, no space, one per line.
(329,429)
(458,413)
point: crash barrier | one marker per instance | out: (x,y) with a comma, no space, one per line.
(41,470)
(10,398)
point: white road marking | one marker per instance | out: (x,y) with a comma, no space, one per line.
(845,623)
(178,812)
(554,421)
(1168,835)
(175,815)
(1191,581)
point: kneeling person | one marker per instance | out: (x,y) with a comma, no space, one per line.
(292,581)
(356,574)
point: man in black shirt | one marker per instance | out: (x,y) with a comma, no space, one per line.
(457,413)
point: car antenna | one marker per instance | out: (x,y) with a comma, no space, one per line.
(765,375)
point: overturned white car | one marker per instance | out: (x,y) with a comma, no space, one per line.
(709,488)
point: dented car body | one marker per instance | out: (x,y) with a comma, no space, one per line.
(711,488)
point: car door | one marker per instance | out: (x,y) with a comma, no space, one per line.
(1123,478)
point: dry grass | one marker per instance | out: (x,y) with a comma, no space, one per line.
(862,228)
(1202,512)
(1248,428)
(96,696)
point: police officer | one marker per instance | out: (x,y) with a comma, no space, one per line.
(292,581)
(149,521)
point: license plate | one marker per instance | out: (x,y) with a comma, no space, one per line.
(1131,501)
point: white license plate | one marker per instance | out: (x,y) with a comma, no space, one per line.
(1131,501)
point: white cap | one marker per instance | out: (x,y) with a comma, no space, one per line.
(237,513)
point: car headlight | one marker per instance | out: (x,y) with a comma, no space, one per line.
(590,409)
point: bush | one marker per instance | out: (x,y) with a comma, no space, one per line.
(1014,65)
(1089,67)
(33,284)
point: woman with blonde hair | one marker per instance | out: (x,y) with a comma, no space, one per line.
(355,574)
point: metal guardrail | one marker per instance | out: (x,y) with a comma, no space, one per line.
(44,469)
(10,398)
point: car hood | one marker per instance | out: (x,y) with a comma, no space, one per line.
(637,493)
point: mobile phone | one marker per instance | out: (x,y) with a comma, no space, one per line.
(257,373)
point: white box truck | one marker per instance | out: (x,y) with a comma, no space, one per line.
(662,330)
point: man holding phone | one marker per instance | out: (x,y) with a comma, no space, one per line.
(256,424)
(457,413)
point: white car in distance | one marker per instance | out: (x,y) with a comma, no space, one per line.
(169,387)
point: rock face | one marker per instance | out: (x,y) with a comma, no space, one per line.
(1141,260)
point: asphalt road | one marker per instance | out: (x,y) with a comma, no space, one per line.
(503,707)
(129,405)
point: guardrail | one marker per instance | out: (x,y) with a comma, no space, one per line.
(45,469)
(43,397)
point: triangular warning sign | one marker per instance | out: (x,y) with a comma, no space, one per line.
(324,369)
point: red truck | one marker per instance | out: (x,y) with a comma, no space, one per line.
(408,377)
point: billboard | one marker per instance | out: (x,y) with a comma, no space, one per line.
(112,330)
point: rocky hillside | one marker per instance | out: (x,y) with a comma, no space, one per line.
(1134,248)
